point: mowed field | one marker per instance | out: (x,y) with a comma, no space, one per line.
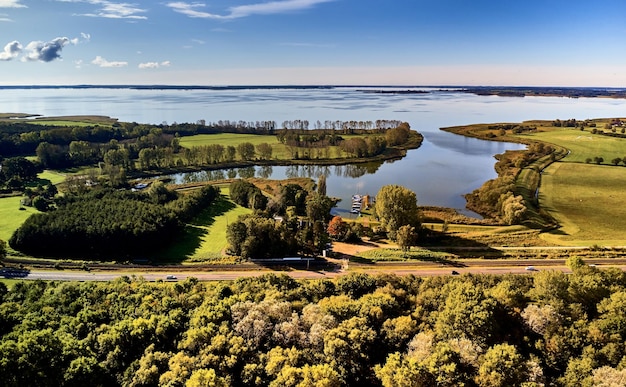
(587,199)
(279,151)
(589,202)
(583,144)
(11,215)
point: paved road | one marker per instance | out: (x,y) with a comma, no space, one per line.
(484,267)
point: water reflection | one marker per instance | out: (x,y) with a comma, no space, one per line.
(265,171)
(247,172)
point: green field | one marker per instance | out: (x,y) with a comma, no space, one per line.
(11,215)
(279,150)
(204,239)
(52,176)
(583,144)
(588,201)
(213,242)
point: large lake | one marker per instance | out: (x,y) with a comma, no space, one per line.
(444,168)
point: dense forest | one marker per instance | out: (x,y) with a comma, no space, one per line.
(106,222)
(544,329)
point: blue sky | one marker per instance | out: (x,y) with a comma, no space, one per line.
(295,42)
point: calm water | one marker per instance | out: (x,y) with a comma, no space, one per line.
(444,168)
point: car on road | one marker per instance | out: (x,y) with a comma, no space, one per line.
(530,268)
(170,277)
(454,272)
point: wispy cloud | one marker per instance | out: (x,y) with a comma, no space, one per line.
(11,50)
(5,18)
(195,10)
(154,65)
(11,4)
(101,62)
(112,10)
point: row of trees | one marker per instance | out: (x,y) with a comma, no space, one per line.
(21,138)
(339,125)
(545,329)
(599,160)
(110,223)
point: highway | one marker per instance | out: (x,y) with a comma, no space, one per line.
(400,268)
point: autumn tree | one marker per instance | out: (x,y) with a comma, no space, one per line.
(337,228)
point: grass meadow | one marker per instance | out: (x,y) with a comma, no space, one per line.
(583,144)
(588,201)
(11,215)
(279,150)
(204,239)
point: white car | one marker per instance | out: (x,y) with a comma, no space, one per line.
(530,268)
(170,277)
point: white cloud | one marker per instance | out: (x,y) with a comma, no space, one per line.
(272,7)
(11,4)
(101,62)
(5,18)
(46,51)
(154,65)
(11,50)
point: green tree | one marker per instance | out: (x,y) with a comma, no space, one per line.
(502,366)
(246,151)
(406,237)
(265,150)
(3,249)
(318,207)
(206,378)
(403,371)
(18,167)
(396,206)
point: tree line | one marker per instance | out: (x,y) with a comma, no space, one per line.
(23,138)
(544,329)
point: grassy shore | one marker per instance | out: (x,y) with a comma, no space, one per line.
(585,198)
